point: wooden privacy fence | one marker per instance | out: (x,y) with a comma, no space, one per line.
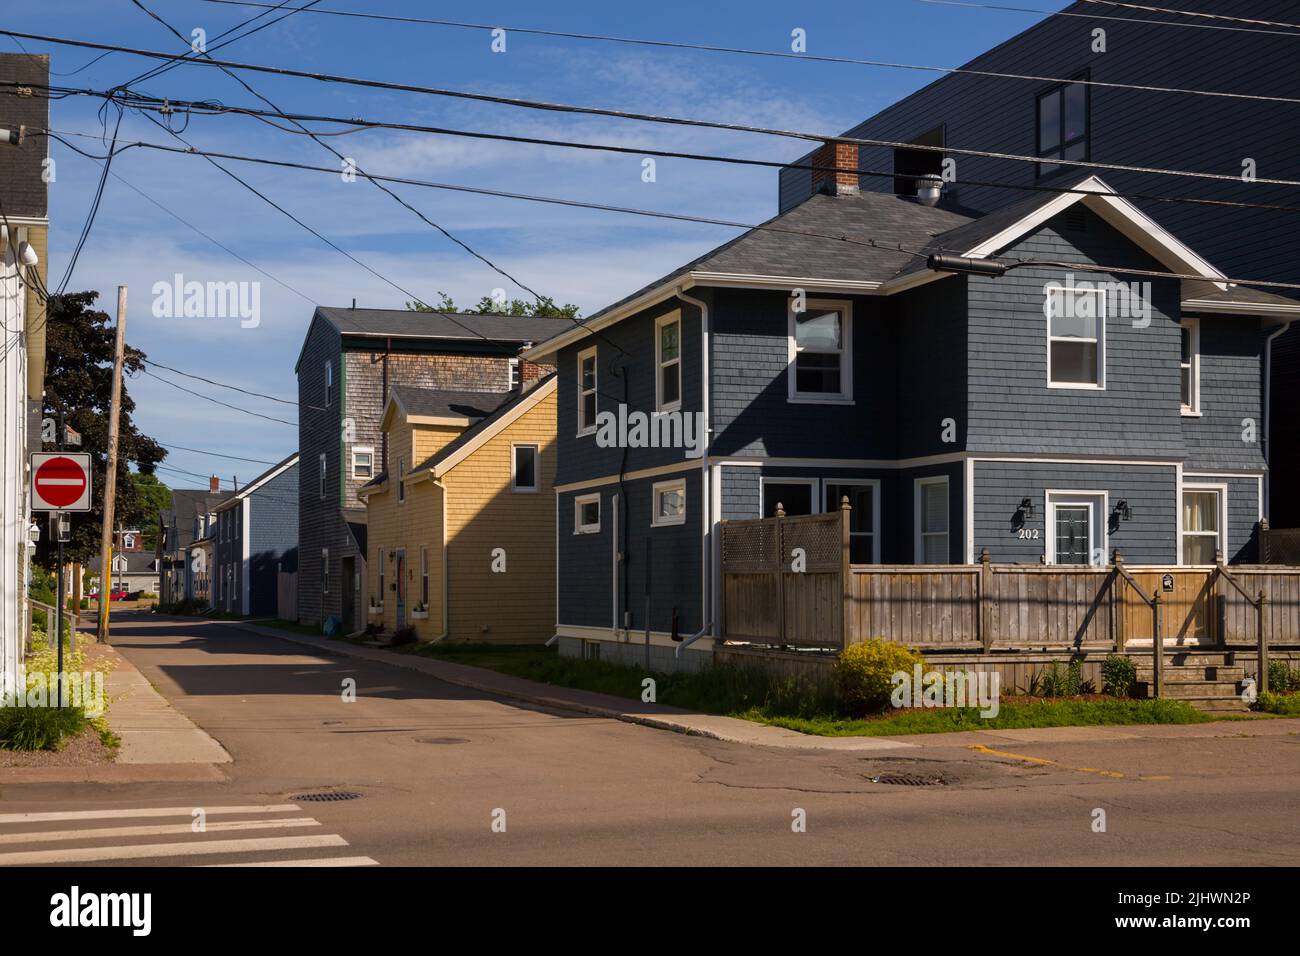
(985,607)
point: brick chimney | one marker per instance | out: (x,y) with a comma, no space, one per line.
(843,180)
(214,484)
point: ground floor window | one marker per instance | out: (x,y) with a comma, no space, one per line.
(864,501)
(668,501)
(797,496)
(1203,524)
(931,521)
(586,514)
(1075,532)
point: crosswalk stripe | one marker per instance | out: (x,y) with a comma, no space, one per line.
(143,851)
(324,861)
(140,812)
(102,833)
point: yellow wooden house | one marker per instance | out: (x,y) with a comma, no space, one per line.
(461,523)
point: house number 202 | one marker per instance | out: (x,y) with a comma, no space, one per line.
(1030,533)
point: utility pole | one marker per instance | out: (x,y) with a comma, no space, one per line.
(110,478)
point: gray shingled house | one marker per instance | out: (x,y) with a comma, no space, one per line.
(1051,414)
(256,538)
(351,359)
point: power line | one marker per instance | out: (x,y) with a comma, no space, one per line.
(217,401)
(234,388)
(209,108)
(665,120)
(656,214)
(778,54)
(1194,13)
(213,454)
(445,232)
(1102,16)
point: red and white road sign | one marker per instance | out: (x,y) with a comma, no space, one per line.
(60,481)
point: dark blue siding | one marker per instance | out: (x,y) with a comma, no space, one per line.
(273,538)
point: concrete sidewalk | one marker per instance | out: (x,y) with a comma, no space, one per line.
(152,730)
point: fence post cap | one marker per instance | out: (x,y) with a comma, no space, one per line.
(984,555)
(1263,524)
(844,503)
(1118,556)
(780,510)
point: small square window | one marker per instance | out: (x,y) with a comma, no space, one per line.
(668,500)
(586,514)
(363,463)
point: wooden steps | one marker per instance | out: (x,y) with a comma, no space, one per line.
(1207,680)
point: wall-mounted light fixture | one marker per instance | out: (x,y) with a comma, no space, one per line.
(1026,507)
(1123,510)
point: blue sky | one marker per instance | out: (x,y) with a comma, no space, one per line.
(587,257)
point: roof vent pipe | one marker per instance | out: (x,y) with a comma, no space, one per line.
(928,189)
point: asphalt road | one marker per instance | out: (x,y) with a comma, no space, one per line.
(441,768)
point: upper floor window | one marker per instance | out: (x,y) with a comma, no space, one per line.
(1062,125)
(322,476)
(329,383)
(401,479)
(1190,366)
(363,462)
(523,468)
(1076,337)
(514,375)
(587,392)
(668,359)
(820,344)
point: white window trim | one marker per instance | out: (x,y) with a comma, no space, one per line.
(382,555)
(845,397)
(677,484)
(918,538)
(329,383)
(1222,489)
(672,318)
(363,450)
(875,486)
(401,480)
(1193,326)
(578,526)
(1099,525)
(1100,385)
(812,483)
(514,370)
(537,468)
(322,476)
(587,429)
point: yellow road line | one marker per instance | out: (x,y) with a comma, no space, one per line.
(981,748)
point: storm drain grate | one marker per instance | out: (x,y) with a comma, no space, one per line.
(329,796)
(909,780)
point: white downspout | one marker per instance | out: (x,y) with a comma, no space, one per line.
(1268,417)
(706,510)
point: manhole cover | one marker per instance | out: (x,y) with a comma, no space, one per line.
(330,796)
(909,780)
(441,740)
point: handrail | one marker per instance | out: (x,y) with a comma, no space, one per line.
(1260,604)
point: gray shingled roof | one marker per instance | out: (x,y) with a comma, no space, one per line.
(407,324)
(448,403)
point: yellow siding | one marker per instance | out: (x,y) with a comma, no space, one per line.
(484,514)
(413,524)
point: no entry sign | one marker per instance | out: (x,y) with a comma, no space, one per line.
(60,481)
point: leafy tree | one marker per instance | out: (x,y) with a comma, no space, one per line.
(155,497)
(544,308)
(79,382)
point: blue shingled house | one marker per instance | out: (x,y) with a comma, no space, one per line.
(1049,412)
(255,538)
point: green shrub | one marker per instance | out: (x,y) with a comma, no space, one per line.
(1274,703)
(1282,677)
(403,635)
(863,673)
(1118,675)
(39,728)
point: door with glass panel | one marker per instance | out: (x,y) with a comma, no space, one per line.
(1073,531)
